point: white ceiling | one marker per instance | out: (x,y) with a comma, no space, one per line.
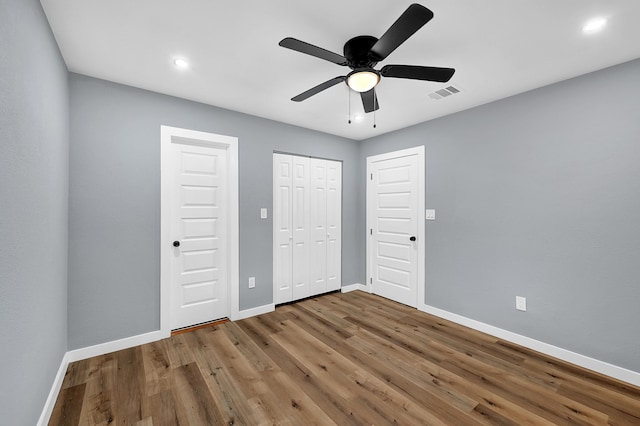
(498,47)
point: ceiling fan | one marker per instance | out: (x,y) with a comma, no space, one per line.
(362,53)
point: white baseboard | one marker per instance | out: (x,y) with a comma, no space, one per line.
(47,410)
(354,287)
(252,312)
(602,367)
(115,345)
(141,339)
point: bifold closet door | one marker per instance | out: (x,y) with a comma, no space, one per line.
(291,227)
(300,228)
(282,232)
(307,212)
(326,230)
(334,225)
(319,233)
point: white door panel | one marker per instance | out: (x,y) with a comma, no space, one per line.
(300,221)
(197,227)
(334,225)
(283,224)
(318,213)
(199,223)
(199,260)
(393,206)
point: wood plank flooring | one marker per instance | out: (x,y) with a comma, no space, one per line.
(338,359)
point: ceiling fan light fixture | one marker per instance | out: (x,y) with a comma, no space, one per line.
(363,81)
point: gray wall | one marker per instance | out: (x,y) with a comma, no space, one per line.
(114,208)
(34,147)
(538,195)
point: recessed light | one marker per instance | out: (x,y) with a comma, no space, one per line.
(358,117)
(594,25)
(181,63)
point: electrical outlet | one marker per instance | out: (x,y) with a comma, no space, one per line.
(521,303)
(430,214)
(252,282)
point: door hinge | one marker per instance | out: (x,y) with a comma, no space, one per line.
(371,176)
(371,231)
(370,280)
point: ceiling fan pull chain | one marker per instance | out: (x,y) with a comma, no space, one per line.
(375,107)
(349,96)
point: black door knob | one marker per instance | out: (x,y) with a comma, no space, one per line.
(176,243)
(412,238)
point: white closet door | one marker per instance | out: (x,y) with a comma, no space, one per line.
(283,224)
(307,211)
(334,225)
(300,221)
(318,213)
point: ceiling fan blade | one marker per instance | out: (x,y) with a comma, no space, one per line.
(310,49)
(370,101)
(407,24)
(416,72)
(319,88)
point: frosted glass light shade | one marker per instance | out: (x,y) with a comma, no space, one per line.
(363,81)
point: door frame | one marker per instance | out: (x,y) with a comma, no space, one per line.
(421,282)
(169,135)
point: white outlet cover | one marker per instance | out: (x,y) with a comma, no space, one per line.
(430,214)
(252,282)
(263,213)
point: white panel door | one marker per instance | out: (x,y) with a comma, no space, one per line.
(393,222)
(283,227)
(318,224)
(334,225)
(199,222)
(300,227)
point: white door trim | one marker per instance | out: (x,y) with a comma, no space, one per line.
(420,152)
(170,135)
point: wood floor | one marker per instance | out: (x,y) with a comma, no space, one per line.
(344,359)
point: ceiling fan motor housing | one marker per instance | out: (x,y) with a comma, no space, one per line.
(358,53)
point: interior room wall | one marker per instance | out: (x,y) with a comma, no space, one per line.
(34,149)
(535,195)
(114,235)
(538,196)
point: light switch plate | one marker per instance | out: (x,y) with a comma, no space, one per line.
(430,214)
(263,213)
(252,282)
(521,303)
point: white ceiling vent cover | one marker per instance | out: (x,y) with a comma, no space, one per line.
(443,93)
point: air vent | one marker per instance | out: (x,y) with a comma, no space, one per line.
(443,93)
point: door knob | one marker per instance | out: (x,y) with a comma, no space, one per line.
(412,238)
(176,243)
